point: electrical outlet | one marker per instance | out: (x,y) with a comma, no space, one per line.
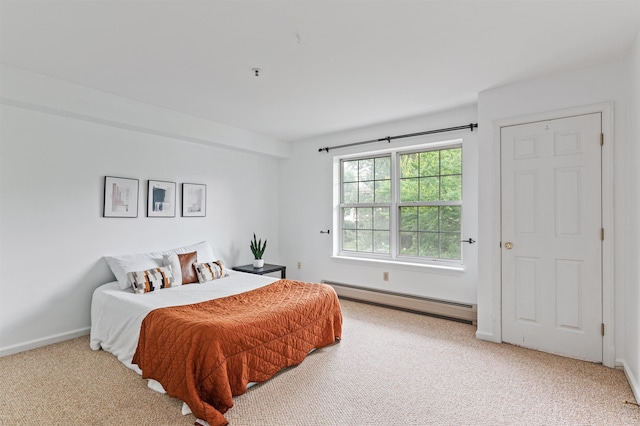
(299,265)
(385,276)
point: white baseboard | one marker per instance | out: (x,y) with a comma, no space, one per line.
(37,343)
(441,308)
(633,381)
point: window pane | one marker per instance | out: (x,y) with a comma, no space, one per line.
(349,218)
(425,227)
(349,240)
(409,190)
(428,218)
(366,192)
(381,218)
(365,171)
(350,192)
(450,218)
(451,188)
(430,163)
(383,168)
(365,219)
(383,191)
(365,240)
(451,161)
(409,243)
(450,246)
(381,241)
(408,218)
(428,244)
(409,165)
(349,171)
(430,189)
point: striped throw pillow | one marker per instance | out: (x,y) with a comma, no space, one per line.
(151,279)
(210,271)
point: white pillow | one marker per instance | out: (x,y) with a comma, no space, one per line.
(205,254)
(121,265)
(173,261)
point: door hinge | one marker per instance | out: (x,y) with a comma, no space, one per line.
(602,234)
(601,139)
(602,328)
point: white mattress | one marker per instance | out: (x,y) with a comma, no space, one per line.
(116,315)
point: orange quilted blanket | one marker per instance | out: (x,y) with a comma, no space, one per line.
(206,353)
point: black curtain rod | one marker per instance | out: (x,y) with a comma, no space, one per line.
(469,126)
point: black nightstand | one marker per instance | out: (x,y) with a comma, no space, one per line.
(266,269)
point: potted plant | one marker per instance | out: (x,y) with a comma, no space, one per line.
(257,248)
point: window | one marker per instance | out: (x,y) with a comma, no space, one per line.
(366,205)
(403,205)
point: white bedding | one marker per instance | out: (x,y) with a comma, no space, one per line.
(116,315)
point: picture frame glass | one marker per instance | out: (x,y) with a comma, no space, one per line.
(194,200)
(161,199)
(120,197)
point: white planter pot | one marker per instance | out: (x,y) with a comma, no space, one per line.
(258,263)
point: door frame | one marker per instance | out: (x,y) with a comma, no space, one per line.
(608,283)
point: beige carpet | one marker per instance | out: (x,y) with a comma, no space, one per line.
(392,368)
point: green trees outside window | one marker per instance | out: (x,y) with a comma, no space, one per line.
(366,185)
(430,204)
(426,198)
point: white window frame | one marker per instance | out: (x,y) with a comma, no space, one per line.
(394,205)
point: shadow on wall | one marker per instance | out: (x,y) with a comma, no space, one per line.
(65,314)
(234,254)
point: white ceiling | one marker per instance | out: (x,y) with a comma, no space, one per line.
(327,66)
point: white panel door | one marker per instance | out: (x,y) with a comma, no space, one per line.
(551,236)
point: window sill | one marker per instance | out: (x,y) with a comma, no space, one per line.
(423,267)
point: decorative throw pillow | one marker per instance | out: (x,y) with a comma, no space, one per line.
(151,279)
(186,267)
(210,271)
(182,267)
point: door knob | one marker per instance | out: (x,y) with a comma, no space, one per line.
(508,246)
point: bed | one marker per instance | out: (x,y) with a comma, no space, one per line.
(205,343)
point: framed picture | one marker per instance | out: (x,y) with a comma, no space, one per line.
(120,197)
(194,200)
(161,199)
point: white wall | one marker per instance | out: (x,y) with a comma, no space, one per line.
(54,155)
(585,87)
(631,304)
(306,186)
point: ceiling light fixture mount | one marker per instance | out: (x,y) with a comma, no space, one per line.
(256,71)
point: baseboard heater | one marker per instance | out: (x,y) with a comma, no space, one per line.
(439,308)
